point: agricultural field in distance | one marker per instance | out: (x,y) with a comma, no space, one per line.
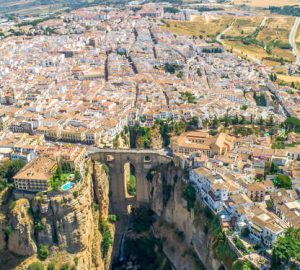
(275,36)
(263,38)
(203,26)
(235,38)
(266,3)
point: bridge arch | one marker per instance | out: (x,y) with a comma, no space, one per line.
(142,161)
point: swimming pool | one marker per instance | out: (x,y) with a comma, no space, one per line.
(67,186)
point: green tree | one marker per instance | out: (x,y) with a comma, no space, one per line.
(9,168)
(292,124)
(227,121)
(293,85)
(245,231)
(243,265)
(126,129)
(261,121)
(286,248)
(283,181)
(194,122)
(215,123)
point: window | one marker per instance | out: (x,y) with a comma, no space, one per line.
(147,159)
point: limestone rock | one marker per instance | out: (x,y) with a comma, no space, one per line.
(101,187)
(176,213)
(21,239)
(2,234)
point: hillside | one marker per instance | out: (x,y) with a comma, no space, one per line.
(35,7)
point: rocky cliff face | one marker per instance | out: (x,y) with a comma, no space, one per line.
(183,233)
(20,238)
(67,224)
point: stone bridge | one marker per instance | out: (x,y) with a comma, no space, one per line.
(142,160)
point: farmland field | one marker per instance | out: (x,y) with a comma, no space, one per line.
(199,26)
(266,3)
(277,28)
(253,37)
(249,51)
(275,36)
(244,26)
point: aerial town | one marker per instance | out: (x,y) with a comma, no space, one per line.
(102,77)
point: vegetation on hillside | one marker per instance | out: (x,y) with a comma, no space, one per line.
(283,181)
(189,194)
(243,265)
(107,238)
(260,99)
(140,137)
(292,124)
(8,169)
(222,248)
(36,266)
(63,174)
(286,249)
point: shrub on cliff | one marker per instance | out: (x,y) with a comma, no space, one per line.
(107,238)
(36,266)
(243,265)
(51,266)
(43,252)
(105,168)
(65,266)
(189,194)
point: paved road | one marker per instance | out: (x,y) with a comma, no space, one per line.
(292,40)
(263,22)
(219,39)
(164,151)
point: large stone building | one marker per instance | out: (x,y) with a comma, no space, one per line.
(199,142)
(74,157)
(36,175)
